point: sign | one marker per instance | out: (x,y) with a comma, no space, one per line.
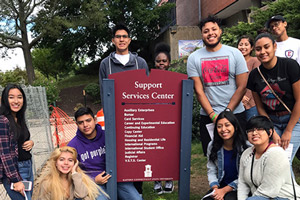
(148,124)
(186,47)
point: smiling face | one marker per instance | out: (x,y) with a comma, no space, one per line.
(15,100)
(245,47)
(265,50)
(258,136)
(65,162)
(278,28)
(87,125)
(211,35)
(162,61)
(225,129)
(121,41)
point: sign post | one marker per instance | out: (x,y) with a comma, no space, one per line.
(148,127)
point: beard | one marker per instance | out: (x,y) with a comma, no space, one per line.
(212,45)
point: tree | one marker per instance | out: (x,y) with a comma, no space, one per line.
(77,30)
(18,15)
(86,29)
(287,8)
(49,63)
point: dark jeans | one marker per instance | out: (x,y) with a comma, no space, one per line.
(204,135)
(138,186)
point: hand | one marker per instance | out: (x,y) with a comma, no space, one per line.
(27,146)
(74,169)
(285,139)
(219,194)
(19,187)
(100,179)
(245,100)
(276,138)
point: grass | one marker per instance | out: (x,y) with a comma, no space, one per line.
(296,169)
(80,79)
(198,168)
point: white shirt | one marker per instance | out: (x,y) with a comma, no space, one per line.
(122,58)
(289,48)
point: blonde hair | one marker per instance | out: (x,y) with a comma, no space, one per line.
(52,185)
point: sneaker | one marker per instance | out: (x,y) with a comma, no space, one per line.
(169,187)
(158,188)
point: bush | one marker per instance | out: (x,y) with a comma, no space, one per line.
(93,90)
(180,67)
(50,84)
(17,76)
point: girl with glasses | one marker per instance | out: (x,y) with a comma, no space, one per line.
(264,168)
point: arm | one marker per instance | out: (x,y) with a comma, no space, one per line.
(102,75)
(8,161)
(144,65)
(287,134)
(201,97)
(275,173)
(212,170)
(241,82)
(80,189)
(243,188)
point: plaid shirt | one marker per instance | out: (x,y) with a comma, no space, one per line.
(8,153)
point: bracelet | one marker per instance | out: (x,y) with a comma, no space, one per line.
(212,119)
(211,112)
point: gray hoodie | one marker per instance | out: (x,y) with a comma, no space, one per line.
(110,65)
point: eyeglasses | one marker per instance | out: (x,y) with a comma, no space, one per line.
(274,24)
(257,130)
(163,60)
(123,36)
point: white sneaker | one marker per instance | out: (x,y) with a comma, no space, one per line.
(169,187)
(158,187)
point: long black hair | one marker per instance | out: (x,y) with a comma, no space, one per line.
(239,136)
(5,110)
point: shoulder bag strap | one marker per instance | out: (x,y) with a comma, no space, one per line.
(273,91)
(295,197)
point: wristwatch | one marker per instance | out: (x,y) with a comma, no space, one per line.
(228,109)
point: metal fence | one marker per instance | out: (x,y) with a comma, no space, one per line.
(37,118)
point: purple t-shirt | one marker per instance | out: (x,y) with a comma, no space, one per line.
(91,153)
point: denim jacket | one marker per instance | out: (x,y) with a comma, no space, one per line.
(215,170)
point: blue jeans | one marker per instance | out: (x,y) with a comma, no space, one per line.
(126,190)
(251,112)
(25,170)
(280,124)
(102,196)
(264,198)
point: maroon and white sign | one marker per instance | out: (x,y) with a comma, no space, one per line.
(148,117)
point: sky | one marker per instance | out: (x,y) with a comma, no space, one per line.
(14,59)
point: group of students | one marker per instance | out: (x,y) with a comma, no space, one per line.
(256,167)
(63,177)
(236,168)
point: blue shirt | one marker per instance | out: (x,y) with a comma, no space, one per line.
(231,172)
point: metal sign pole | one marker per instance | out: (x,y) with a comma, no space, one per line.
(110,136)
(186,138)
